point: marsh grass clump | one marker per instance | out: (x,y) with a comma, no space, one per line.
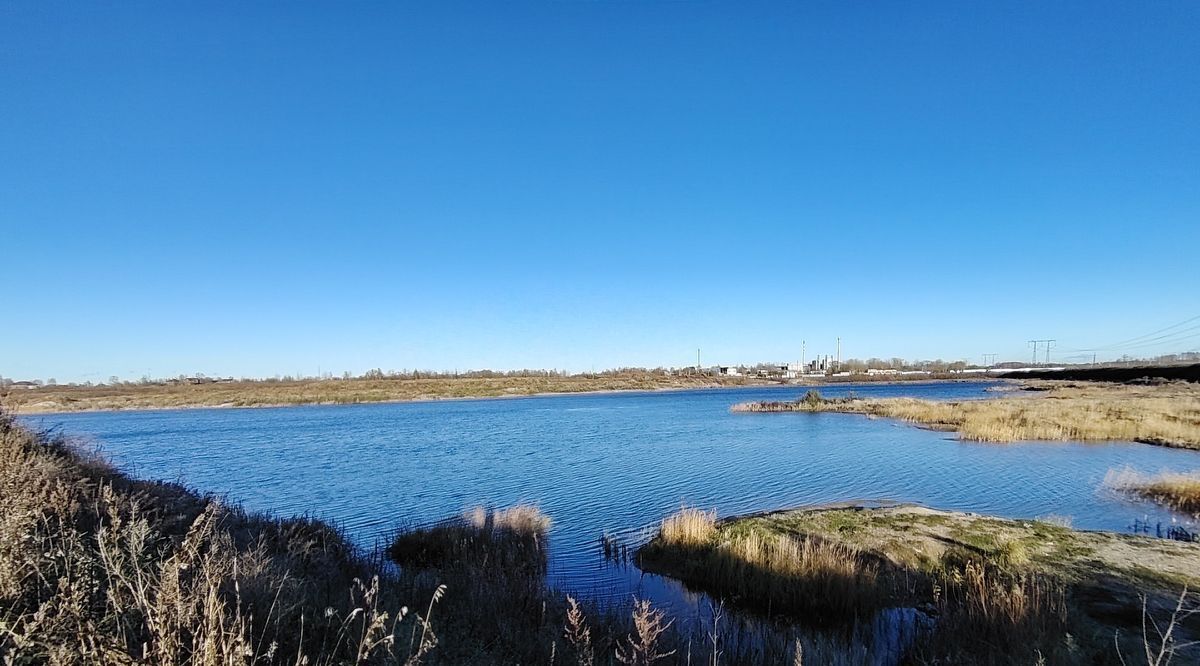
(1177,490)
(806,577)
(511,540)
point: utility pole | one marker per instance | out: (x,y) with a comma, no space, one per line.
(802,343)
(1049,345)
(989,360)
(697,359)
(1034,344)
(838,362)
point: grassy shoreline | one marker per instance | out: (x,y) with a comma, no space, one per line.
(1166,415)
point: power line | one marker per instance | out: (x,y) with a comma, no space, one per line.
(1138,339)
(1169,339)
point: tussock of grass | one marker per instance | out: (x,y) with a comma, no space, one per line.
(809,577)
(1180,491)
(1168,415)
(510,540)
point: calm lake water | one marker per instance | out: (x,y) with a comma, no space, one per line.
(614,463)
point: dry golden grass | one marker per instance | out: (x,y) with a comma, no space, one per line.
(306,392)
(1180,491)
(1168,415)
(688,527)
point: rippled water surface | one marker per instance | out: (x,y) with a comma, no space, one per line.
(611,463)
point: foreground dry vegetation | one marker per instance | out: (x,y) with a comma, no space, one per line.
(1168,415)
(353,391)
(96,568)
(994,591)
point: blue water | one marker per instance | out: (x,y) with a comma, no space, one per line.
(614,463)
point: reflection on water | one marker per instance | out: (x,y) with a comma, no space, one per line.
(610,464)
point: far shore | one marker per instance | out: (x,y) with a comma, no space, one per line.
(258,395)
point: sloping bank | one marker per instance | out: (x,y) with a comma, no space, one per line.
(994,590)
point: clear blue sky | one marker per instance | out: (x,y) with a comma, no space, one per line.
(258,188)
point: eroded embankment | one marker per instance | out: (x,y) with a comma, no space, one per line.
(1167,415)
(995,590)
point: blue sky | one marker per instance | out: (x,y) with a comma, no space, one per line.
(271,188)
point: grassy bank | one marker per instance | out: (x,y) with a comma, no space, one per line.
(352,391)
(1168,415)
(1000,591)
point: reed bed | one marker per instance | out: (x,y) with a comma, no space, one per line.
(1167,415)
(1177,490)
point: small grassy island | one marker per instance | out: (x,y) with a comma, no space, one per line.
(1167,415)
